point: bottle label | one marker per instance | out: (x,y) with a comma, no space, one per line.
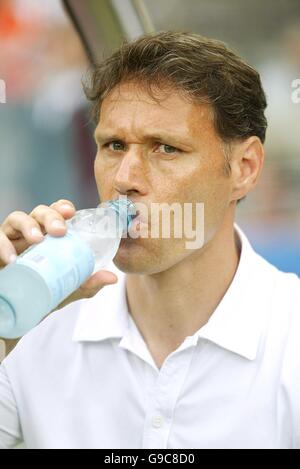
(64,263)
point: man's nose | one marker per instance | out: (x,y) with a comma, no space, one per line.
(131,174)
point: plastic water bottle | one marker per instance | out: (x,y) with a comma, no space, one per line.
(47,273)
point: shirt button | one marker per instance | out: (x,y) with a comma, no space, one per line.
(157,421)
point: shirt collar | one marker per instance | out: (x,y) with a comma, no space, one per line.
(238,321)
(235,325)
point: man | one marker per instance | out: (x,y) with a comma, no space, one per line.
(191,348)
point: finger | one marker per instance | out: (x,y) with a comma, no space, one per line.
(19,224)
(21,245)
(66,208)
(97,281)
(7,250)
(51,220)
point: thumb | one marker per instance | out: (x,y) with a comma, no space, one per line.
(99,280)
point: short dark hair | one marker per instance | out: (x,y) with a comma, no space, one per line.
(205,69)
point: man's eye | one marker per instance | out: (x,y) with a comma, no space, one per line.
(115,146)
(164,148)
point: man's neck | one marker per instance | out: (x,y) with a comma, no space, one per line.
(171,305)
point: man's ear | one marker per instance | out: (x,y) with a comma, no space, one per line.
(246,165)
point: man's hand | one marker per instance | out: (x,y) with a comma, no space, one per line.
(20,230)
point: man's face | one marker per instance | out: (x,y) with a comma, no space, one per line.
(162,151)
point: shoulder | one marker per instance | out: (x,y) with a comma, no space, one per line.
(281,342)
(274,298)
(284,335)
(283,287)
(284,296)
(286,305)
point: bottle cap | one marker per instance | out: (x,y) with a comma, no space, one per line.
(125,209)
(7,317)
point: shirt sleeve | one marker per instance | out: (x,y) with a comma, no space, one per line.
(10,428)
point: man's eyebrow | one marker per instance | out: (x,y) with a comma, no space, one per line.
(105,136)
(101,136)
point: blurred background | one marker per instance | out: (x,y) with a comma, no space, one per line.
(46,146)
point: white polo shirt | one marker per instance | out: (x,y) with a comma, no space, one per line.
(84,377)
